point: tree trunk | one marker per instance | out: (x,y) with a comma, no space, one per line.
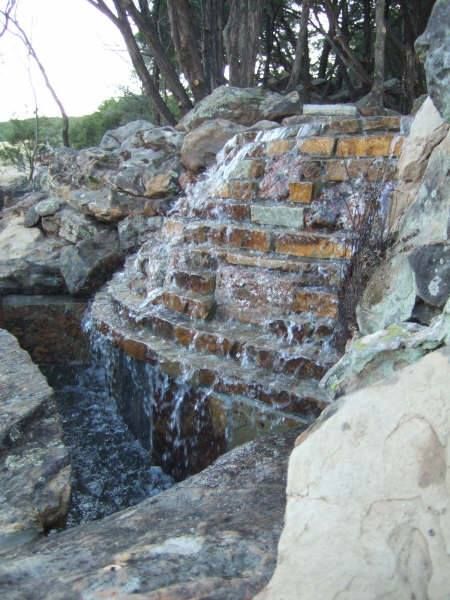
(241,36)
(185,37)
(300,68)
(212,42)
(149,32)
(377,92)
(150,87)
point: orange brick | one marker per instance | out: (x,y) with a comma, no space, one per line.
(279,147)
(380,123)
(317,146)
(311,247)
(240,190)
(374,145)
(301,192)
(322,304)
(246,238)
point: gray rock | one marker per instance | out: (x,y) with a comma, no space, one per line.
(431,266)
(434,46)
(113,139)
(375,357)
(75,226)
(133,230)
(34,463)
(48,207)
(212,536)
(427,219)
(31,217)
(241,105)
(201,145)
(389,296)
(86,266)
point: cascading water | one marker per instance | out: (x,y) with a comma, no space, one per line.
(111,468)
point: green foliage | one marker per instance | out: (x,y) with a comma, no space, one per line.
(85,131)
(22,145)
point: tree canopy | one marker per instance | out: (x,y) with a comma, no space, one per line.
(338,50)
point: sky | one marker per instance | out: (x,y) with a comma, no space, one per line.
(81,50)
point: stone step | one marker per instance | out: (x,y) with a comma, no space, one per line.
(277,346)
(213,373)
(192,259)
(198,282)
(265,239)
(308,271)
(196,306)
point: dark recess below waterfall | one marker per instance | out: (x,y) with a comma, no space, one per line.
(110,468)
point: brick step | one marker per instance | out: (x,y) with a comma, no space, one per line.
(309,271)
(192,259)
(198,282)
(222,375)
(290,344)
(196,306)
(280,240)
(284,347)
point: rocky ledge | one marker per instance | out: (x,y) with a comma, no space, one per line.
(34,463)
(212,536)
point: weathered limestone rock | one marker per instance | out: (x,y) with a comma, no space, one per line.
(213,535)
(426,221)
(34,464)
(201,145)
(241,105)
(389,296)
(368,512)
(372,358)
(427,131)
(435,44)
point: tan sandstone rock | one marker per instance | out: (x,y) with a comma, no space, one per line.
(368,513)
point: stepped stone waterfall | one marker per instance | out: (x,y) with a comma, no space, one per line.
(226,317)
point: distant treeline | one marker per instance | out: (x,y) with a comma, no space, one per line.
(84,131)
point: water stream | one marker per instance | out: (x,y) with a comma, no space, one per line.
(111,470)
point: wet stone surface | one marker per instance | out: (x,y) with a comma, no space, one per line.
(110,468)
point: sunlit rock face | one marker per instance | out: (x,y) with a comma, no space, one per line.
(34,463)
(234,302)
(372,476)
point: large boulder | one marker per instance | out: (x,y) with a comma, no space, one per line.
(34,463)
(434,44)
(201,145)
(241,105)
(368,510)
